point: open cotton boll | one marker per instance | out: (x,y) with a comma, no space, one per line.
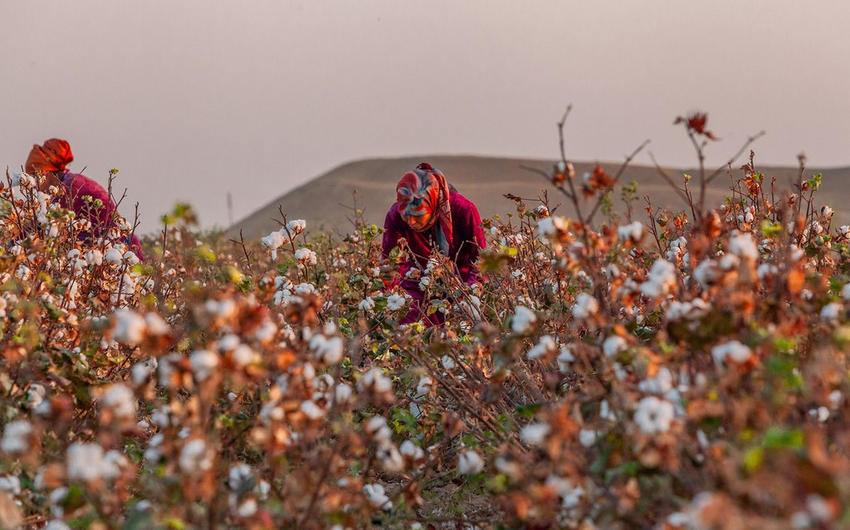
(614,345)
(195,457)
(523,321)
(129,328)
(296,226)
(203,363)
(545,346)
(327,349)
(654,415)
(631,232)
(377,497)
(534,433)
(16,437)
(585,306)
(662,279)
(395,302)
(470,463)
(113,256)
(119,398)
(744,246)
(733,350)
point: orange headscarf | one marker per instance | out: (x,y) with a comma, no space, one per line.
(424,192)
(54,155)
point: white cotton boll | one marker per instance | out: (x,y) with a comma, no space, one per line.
(23,272)
(395,302)
(266,332)
(156,326)
(16,437)
(377,497)
(11,484)
(120,399)
(129,327)
(377,428)
(835,398)
(534,433)
(305,288)
(818,507)
(239,476)
(545,346)
(113,256)
(705,273)
(375,379)
(274,241)
(614,345)
(660,384)
(744,246)
(509,468)
(585,306)
(311,410)
(423,387)
(411,450)
(131,258)
(367,305)
(734,350)
(296,226)
(204,363)
(654,415)
(342,393)
(242,356)
(662,279)
(220,308)
(831,312)
(821,414)
(448,363)
(305,256)
(550,227)
(631,232)
(391,460)
(587,437)
(247,508)
(87,462)
(605,411)
(327,350)
(523,321)
(195,457)
(570,495)
(143,371)
(470,463)
(565,357)
(35,396)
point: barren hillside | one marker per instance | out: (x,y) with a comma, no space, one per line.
(327,202)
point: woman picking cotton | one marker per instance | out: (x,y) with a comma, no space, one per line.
(431,218)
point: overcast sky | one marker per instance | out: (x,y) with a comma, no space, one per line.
(193,99)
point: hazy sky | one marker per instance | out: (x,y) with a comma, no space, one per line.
(193,99)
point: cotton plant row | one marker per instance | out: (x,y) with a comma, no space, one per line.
(643,372)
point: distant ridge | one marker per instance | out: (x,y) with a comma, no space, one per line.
(326,201)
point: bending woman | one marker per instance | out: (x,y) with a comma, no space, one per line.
(429,216)
(51,160)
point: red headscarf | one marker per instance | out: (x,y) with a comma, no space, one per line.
(54,155)
(424,192)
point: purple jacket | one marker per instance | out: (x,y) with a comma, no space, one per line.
(467,240)
(77,187)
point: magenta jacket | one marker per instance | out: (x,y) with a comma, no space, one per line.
(467,240)
(79,186)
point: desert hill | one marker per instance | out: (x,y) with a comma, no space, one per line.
(327,201)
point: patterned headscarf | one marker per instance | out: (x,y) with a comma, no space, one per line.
(54,155)
(424,192)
